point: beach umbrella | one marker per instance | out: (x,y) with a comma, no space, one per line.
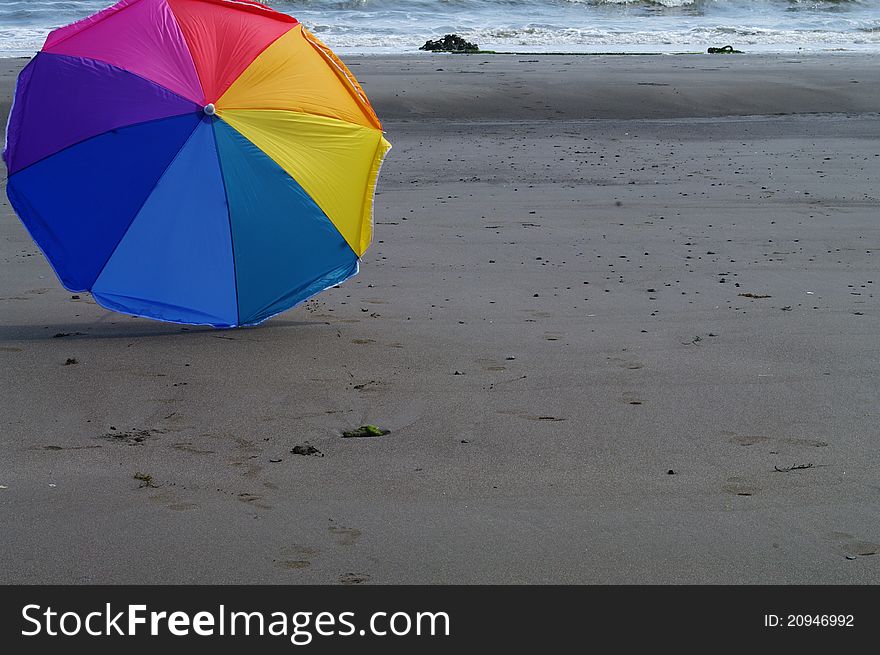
(196,161)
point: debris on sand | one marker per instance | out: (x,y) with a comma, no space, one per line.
(756,296)
(365,431)
(71,361)
(353,579)
(146,479)
(725,50)
(129,437)
(450,43)
(793,467)
(306,449)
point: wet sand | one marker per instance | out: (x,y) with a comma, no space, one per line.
(608,298)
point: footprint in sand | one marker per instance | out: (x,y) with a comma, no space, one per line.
(625,363)
(740,487)
(183,507)
(531,417)
(130,437)
(306,550)
(252,470)
(293,564)
(52,447)
(853,547)
(244,444)
(345,536)
(253,499)
(189,448)
(809,443)
(172,501)
(296,557)
(749,440)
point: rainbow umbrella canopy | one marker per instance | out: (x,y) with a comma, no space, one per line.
(196,161)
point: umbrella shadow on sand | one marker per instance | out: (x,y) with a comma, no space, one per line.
(144,330)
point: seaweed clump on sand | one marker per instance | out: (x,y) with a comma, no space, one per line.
(726,50)
(450,43)
(365,431)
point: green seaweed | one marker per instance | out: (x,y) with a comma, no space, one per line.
(365,431)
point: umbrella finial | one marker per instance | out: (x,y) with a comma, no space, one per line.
(209,109)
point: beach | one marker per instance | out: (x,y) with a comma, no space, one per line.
(619,317)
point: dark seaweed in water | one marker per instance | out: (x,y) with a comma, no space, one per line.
(726,50)
(450,43)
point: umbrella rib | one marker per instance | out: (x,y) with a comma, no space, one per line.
(240,7)
(121,127)
(146,198)
(358,247)
(232,240)
(321,283)
(82,141)
(195,103)
(229,218)
(349,81)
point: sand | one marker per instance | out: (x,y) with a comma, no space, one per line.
(551,322)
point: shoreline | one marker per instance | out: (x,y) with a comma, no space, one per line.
(683,51)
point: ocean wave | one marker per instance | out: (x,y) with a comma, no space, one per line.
(403,25)
(542,39)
